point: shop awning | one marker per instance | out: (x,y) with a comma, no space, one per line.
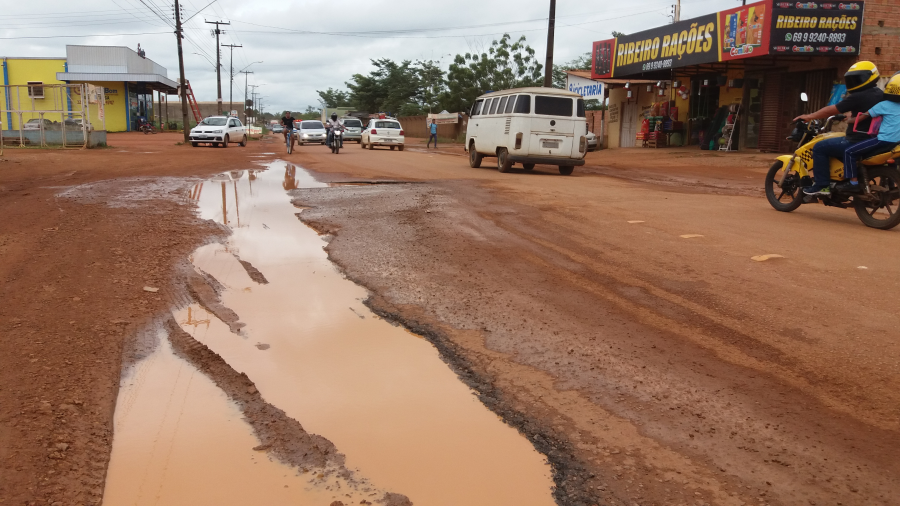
(152,81)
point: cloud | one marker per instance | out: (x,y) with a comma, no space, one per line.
(349,34)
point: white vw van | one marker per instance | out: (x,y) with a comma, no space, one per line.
(528,126)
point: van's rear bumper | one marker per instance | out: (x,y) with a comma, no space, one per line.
(545,160)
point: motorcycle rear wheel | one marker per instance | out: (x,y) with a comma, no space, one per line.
(884,212)
(789,196)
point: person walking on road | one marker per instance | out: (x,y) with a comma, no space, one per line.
(433,129)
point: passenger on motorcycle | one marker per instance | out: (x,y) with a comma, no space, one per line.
(888,132)
(861,81)
(331,124)
(288,123)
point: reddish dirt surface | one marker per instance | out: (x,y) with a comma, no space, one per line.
(71,282)
(651,368)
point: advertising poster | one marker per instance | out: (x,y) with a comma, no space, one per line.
(602,60)
(689,42)
(812,28)
(744,31)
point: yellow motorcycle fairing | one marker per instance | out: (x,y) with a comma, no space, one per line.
(803,160)
(883,157)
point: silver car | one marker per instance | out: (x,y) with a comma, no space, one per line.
(591,141)
(310,131)
(352,129)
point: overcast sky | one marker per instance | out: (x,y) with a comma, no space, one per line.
(346,34)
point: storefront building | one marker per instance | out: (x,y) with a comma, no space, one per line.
(126,80)
(733,79)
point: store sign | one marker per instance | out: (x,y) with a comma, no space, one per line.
(812,28)
(745,30)
(584,87)
(680,44)
(602,62)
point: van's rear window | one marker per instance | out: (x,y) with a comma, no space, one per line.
(579,108)
(552,106)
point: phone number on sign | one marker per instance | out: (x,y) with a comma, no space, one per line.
(656,65)
(815,37)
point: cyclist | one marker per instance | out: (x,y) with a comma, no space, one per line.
(331,124)
(288,123)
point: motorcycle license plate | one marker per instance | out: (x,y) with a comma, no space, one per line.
(549,143)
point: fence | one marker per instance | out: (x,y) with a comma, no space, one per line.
(50,115)
(418,126)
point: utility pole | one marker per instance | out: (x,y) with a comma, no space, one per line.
(246,79)
(255,104)
(183,87)
(678,10)
(548,65)
(231,77)
(218,32)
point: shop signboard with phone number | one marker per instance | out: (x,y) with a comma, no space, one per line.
(813,28)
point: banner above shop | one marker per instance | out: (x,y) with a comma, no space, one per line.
(816,28)
(761,28)
(591,90)
(680,44)
(745,30)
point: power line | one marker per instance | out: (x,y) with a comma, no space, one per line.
(77,36)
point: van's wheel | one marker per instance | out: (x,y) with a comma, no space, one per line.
(503,163)
(528,166)
(883,211)
(243,142)
(565,170)
(225,144)
(474,156)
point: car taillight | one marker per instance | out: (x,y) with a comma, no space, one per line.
(374,132)
(582,144)
(401,132)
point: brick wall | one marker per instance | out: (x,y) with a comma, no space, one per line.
(418,126)
(881,35)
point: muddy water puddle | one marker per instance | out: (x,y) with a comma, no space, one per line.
(381,395)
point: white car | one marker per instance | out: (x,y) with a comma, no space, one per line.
(383,132)
(309,131)
(219,131)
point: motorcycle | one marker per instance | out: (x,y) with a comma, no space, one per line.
(336,141)
(876,202)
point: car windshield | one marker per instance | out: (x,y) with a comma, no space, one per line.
(386,124)
(352,123)
(213,121)
(312,125)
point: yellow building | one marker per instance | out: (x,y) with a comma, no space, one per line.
(127,78)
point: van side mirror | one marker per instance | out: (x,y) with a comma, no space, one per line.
(804,97)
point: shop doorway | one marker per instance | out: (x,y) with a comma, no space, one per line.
(628,130)
(752,112)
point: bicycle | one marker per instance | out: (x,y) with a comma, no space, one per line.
(289,140)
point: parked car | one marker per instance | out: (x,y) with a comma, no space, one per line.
(383,132)
(591,141)
(528,126)
(278,129)
(310,130)
(352,129)
(219,131)
(35,124)
(73,122)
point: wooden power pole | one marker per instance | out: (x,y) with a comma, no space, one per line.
(183,85)
(548,65)
(218,32)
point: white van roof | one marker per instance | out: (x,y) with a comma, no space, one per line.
(542,91)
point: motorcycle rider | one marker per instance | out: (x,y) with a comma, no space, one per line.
(861,80)
(332,123)
(888,134)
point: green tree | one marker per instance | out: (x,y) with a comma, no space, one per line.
(311,113)
(617,34)
(505,65)
(334,98)
(405,88)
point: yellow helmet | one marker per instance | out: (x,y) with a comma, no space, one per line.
(862,75)
(892,88)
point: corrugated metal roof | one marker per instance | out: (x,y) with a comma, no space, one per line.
(160,81)
(110,59)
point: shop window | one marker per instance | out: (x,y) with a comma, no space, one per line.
(36,89)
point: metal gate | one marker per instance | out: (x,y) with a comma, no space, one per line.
(49,114)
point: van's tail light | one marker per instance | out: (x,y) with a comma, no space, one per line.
(582,144)
(374,132)
(401,132)
(519,140)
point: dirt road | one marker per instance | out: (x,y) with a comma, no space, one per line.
(614,316)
